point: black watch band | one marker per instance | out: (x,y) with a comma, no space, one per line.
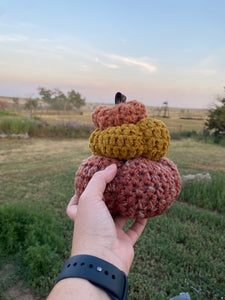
(99,272)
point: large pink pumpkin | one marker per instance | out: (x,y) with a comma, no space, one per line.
(141,188)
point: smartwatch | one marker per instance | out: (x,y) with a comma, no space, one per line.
(99,272)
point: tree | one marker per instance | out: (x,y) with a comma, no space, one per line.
(31,104)
(46,95)
(75,99)
(16,102)
(216,117)
(58,100)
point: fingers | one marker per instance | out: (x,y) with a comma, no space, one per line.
(120,221)
(136,229)
(71,209)
(97,184)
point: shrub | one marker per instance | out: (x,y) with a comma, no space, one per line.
(18,126)
(6,113)
(41,128)
(33,238)
(183,134)
(206,195)
(216,117)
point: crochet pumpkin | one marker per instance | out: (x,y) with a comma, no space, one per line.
(146,183)
(141,188)
(148,138)
(123,113)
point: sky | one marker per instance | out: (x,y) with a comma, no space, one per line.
(151,51)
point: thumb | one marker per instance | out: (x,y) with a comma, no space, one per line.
(98,182)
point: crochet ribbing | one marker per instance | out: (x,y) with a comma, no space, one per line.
(124,113)
(148,138)
(141,188)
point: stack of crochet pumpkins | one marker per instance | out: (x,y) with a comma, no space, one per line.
(146,183)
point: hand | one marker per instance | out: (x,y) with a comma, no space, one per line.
(95,232)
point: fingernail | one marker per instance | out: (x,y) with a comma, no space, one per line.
(110,167)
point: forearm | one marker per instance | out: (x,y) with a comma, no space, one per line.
(76,288)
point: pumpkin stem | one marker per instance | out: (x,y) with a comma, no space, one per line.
(120,98)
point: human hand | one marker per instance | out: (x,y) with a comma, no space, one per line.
(95,231)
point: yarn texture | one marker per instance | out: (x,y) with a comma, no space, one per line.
(147,182)
(141,188)
(148,138)
(124,113)
(156,138)
(122,142)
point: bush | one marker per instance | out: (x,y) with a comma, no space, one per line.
(206,195)
(212,139)
(18,126)
(216,117)
(6,113)
(39,128)
(32,237)
(183,134)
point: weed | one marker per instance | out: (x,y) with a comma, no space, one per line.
(186,240)
(208,195)
(32,237)
(7,113)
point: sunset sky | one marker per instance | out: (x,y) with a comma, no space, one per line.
(151,51)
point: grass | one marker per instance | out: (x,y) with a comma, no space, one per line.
(174,123)
(184,241)
(37,127)
(31,236)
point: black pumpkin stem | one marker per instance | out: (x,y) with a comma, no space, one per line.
(120,98)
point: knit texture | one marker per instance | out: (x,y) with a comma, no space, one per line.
(148,138)
(122,142)
(123,113)
(141,188)
(156,138)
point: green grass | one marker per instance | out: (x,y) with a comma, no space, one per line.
(38,128)
(186,240)
(7,113)
(208,195)
(31,237)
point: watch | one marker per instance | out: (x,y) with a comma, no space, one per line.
(99,272)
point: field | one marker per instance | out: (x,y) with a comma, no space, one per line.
(174,123)
(179,118)
(187,240)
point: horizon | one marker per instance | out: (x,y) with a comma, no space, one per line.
(151,52)
(110,103)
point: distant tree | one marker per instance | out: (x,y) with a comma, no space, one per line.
(216,117)
(58,100)
(16,102)
(46,95)
(75,99)
(31,104)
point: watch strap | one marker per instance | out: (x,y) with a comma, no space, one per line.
(99,272)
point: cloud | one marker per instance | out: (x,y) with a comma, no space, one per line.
(110,66)
(12,38)
(131,61)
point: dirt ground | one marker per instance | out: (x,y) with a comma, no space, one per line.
(16,290)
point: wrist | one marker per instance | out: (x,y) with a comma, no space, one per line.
(77,288)
(104,254)
(99,272)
